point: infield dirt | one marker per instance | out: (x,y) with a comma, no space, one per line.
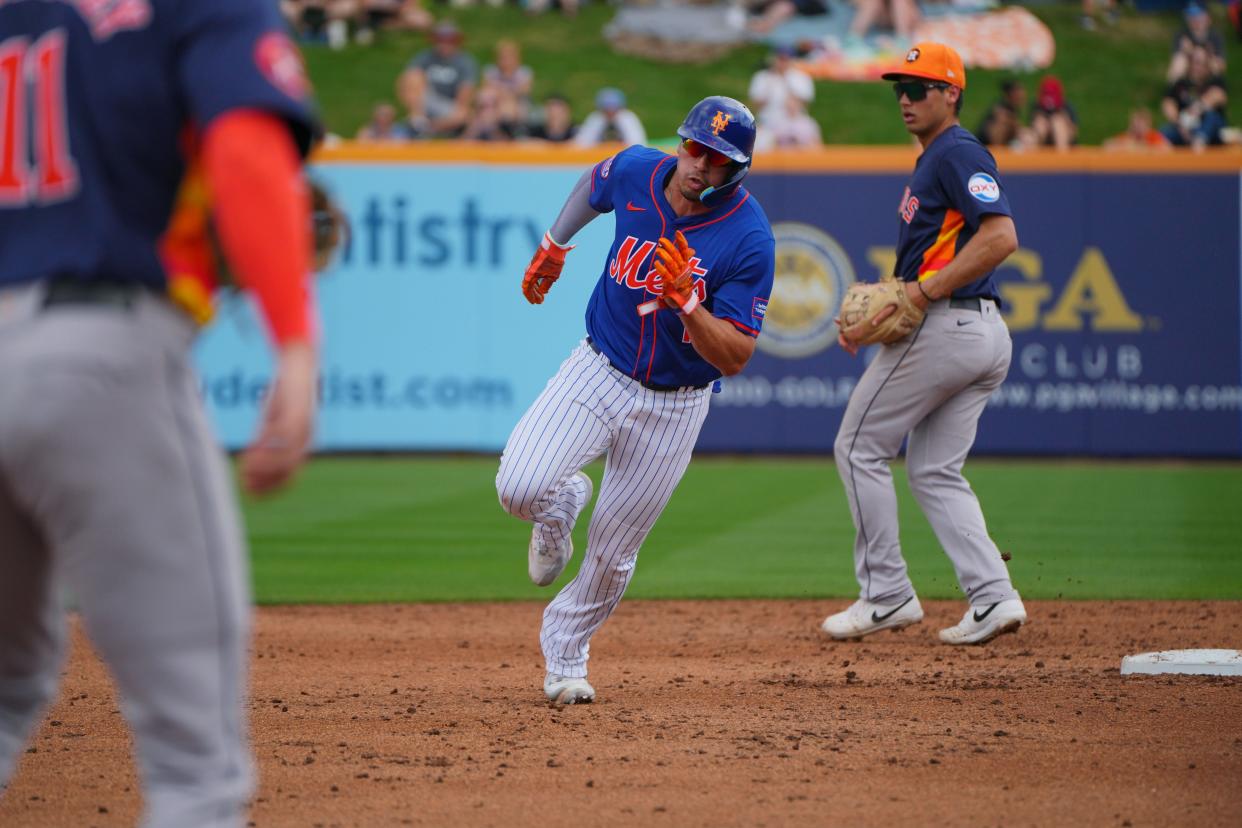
(708,713)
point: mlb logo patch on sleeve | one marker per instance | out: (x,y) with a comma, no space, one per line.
(604,170)
(759,307)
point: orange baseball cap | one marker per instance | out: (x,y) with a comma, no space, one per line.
(934,61)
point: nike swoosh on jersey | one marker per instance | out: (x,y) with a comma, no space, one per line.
(877,618)
(629,205)
(986,612)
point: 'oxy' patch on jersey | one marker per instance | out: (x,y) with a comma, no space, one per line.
(733,265)
(954,186)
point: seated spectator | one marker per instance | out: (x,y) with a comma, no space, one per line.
(1194,106)
(1053,120)
(779,94)
(1088,13)
(384,126)
(1002,124)
(503,105)
(556,123)
(1140,134)
(899,16)
(403,15)
(568,7)
(437,86)
(1196,31)
(320,21)
(766,15)
(795,130)
(610,121)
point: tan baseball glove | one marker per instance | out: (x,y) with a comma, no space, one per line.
(877,312)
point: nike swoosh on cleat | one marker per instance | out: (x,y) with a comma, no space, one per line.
(962,322)
(986,612)
(877,618)
(629,205)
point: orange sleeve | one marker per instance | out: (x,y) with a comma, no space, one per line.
(262,216)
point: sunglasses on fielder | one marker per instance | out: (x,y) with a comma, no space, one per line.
(715,158)
(916,90)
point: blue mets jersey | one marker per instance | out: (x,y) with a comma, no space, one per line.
(734,260)
(955,184)
(96,102)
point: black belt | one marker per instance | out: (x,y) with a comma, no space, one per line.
(973,303)
(654,386)
(112,294)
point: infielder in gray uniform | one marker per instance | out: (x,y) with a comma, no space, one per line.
(111,485)
(931,385)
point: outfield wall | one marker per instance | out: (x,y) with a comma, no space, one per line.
(1124,300)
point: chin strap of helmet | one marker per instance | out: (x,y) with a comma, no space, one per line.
(712,196)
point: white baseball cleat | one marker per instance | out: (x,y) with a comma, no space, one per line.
(565,690)
(865,617)
(545,563)
(983,623)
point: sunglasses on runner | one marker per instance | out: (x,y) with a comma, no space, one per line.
(916,90)
(715,158)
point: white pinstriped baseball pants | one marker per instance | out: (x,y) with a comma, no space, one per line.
(587,410)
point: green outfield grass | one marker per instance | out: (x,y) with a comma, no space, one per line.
(430,529)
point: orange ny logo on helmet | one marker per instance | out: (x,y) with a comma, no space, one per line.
(719,122)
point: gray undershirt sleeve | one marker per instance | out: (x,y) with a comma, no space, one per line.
(576,213)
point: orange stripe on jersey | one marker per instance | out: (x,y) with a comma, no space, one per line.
(944,248)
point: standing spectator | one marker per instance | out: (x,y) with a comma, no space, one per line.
(557,122)
(1054,121)
(437,86)
(384,126)
(779,95)
(610,121)
(1002,124)
(1197,31)
(503,105)
(1140,134)
(1195,105)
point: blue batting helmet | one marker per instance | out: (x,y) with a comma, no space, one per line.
(727,126)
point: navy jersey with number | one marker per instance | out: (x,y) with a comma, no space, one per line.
(733,265)
(95,101)
(955,184)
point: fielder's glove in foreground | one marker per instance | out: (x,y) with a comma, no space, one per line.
(878,312)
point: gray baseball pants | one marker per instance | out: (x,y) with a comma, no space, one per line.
(111,487)
(932,386)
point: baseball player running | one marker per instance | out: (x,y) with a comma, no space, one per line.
(110,484)
(680,301)
(930,386)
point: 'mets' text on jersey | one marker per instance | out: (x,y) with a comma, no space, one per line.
(733,265)
(955,184)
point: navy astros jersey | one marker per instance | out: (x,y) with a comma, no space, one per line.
(88,162)
(733,265)
(955,184)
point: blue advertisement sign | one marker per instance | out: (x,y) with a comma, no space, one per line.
(427,340)
(429,345)
(1111,357)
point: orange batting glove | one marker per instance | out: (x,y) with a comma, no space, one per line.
(672,262)
(544,269)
